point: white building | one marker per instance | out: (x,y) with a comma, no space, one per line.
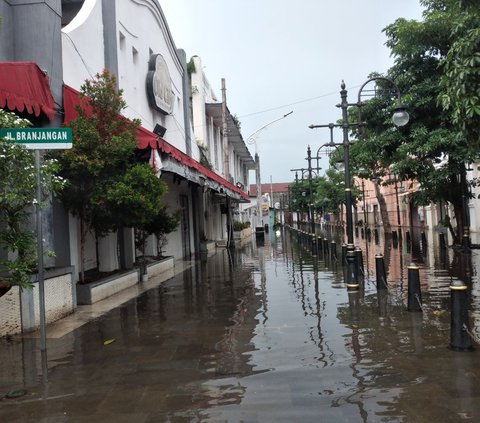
(69,41)
(138,47)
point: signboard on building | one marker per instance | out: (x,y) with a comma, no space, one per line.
(39,138)
(159,85)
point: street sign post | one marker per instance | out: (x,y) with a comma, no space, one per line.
(40,139)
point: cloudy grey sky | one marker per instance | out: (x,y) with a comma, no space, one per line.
(283,55)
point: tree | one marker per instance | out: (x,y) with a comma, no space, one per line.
(372,155)
(330,192)
(107,187)
(436,149)
(18,191)
(460,83)
(433,149)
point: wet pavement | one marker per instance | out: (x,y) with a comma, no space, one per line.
(265,334)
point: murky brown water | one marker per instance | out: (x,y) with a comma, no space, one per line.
(265,335)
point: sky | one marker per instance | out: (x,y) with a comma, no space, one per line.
(279,56)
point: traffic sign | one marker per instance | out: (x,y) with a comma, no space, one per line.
(39,138)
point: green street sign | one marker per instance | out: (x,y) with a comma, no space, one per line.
(39,138)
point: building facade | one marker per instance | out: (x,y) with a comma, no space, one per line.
(65,43)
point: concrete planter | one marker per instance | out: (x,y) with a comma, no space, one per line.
(20,310)
(207,246)
(163,268)
(93,292)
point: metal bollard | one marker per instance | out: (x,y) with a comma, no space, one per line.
(414,293)
(326,246)
(313,243)
(359,258)
(459,326)
(352,277)
(381,273)
(344,254)
(333,250)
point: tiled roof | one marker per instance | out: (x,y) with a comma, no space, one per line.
(277,187)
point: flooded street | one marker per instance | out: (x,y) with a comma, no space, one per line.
(265,334)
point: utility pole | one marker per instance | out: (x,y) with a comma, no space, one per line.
(259,191)
(226,169)
(226,166)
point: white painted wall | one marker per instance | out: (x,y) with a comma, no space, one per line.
(82,45)
(144,31)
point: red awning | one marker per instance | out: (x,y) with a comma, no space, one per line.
(23,85)
(146,138)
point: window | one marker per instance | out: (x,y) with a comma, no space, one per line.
(134,55)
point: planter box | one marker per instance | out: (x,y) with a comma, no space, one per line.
(93,292)
(10,312)
(163,269)
(207,246)
(20,309)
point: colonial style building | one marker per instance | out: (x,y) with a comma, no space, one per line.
(189,136)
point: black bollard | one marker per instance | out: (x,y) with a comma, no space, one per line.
(344,254)
(326,246)
(381,273)
(320,244)
(459,327)
(359,258)
(414,293)
(352,277)
(333,250)
(313,243)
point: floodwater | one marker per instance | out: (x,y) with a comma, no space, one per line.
(265,334)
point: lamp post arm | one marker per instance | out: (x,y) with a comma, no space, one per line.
(379,78)
(252,139)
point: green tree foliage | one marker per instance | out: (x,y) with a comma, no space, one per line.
(434,147)
(107,188)
(17,196)
(460,83)
(330,192)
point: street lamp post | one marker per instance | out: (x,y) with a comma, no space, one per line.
(252,140)
(400,118)
(352,282)
(311,214)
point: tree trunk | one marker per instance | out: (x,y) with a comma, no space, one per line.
(458,234)
(387,229)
